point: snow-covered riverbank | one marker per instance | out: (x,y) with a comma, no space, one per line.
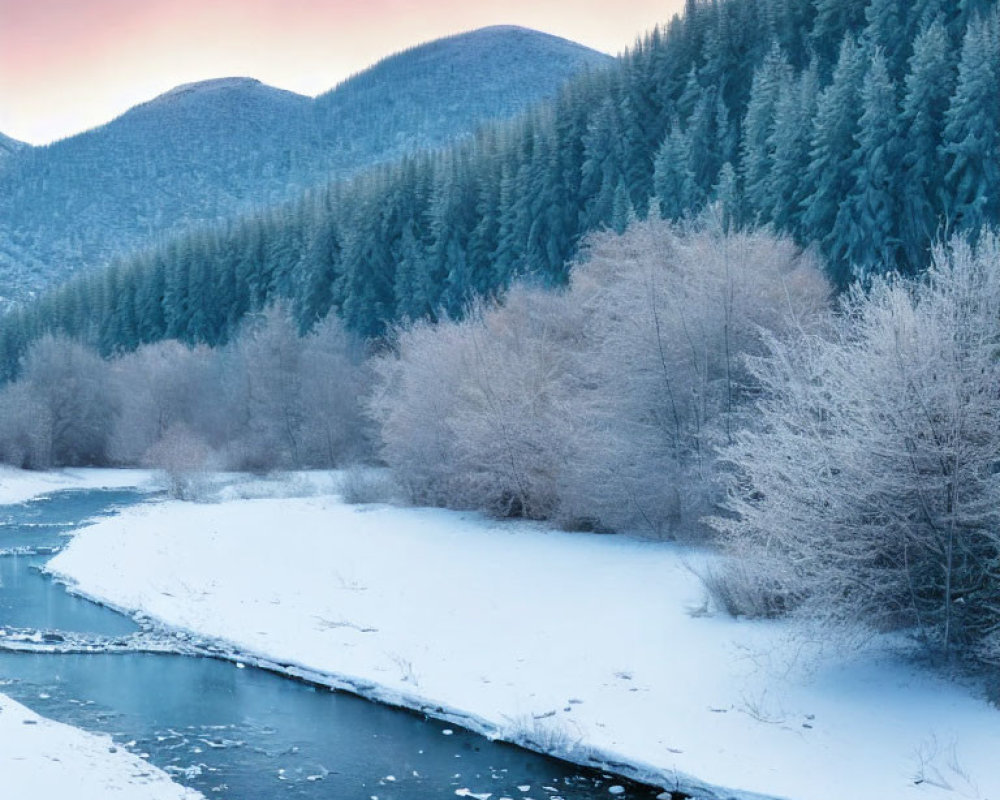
(41,759)
(19,486)
(570,640)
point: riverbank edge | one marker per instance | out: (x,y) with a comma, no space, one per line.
(671,782)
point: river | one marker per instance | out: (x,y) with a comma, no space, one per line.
(230,731)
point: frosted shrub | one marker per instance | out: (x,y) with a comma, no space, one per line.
(270,399)
(871,483)
(160,386)
(62,409)
(471,413)
(185,458)
(363,485)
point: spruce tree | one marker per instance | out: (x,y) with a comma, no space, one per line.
(865,235)
(673,181)
(791,143)
(971,149)
(830,174)
(929,85)
(835,20)
(886,29)
(757,149)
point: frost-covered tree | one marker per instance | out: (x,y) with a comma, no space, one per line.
(596,406)
(672,314)
(868,488)
(68,405)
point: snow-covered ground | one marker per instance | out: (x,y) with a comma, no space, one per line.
(45,760)
(570,640)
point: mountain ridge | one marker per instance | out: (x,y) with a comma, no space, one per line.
(9,145)
(195,89)
(208,151)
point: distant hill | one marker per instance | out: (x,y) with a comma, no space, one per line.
(207,151)
(421,96)
(10,146)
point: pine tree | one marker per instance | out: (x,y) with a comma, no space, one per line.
(886,29)
(830,174)
(673,181)
(835,20)
(705,156)
(865,235)
(791,144)
(321,270)
(602,164)
(757,149)
(929,85)
(971,149)
(727,197)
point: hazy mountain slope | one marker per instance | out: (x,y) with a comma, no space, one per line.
(9,146)
(211,150)
(419,96)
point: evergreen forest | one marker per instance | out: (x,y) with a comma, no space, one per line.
(866,129)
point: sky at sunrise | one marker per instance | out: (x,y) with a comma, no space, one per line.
(68,65)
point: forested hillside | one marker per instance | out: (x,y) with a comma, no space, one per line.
(867,129)
(205,152)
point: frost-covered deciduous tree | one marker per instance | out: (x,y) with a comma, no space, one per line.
(333,382)
(293,401)
(65,404)
(270,399)
(597,406)
(871,483)
(670,316)
(472,413)
(159,387)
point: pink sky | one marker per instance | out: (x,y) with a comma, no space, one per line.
(68,65)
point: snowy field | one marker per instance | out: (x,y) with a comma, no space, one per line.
(578,643)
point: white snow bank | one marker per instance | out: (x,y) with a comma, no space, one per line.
(19,486)
(45,760)
(572,638)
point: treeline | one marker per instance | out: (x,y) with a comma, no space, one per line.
(868,128)
(268,400)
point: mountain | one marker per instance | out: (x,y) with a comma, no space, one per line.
(489,73)
(10,146)
(208,151)
(741,109)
